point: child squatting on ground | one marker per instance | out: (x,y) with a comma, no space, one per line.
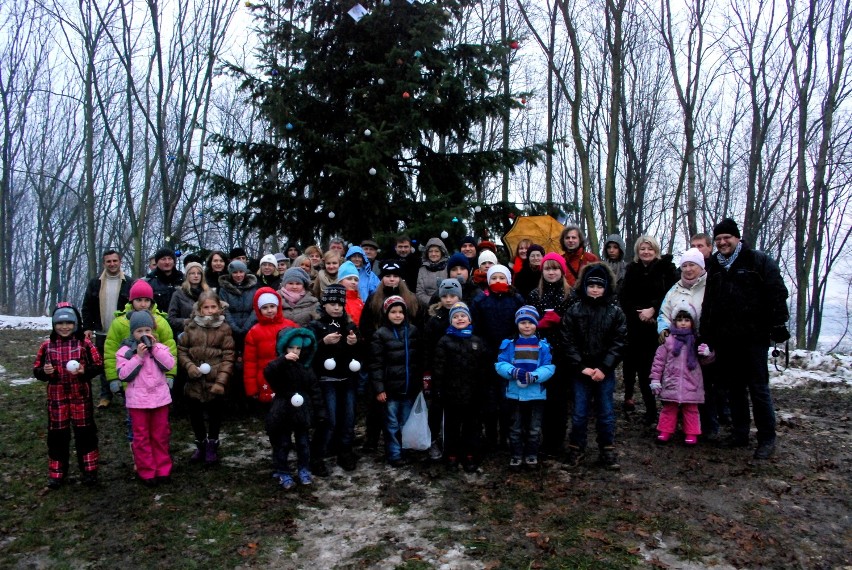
(68,361)
(676,376)
(297,404)
(142,363)
(525,363)
(206,353)
(594,334)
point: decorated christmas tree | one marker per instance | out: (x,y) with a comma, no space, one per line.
(374,120)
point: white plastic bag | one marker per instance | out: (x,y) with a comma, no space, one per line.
(415,432)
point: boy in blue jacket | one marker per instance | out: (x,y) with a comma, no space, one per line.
(525,363)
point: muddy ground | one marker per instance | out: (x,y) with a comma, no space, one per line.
(668,507)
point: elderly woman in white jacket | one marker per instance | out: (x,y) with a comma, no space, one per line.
(689,288)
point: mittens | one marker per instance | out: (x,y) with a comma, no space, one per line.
(656,388)
(170,381)
(703,350)
(115,386)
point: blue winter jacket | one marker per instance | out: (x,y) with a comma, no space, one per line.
(367,280)
(535,390)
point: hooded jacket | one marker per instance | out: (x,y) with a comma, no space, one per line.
(58,351)
(594,331)
(535,390)
(618,266)
(287,378)
(210,340)
(240,313)
(367,280)
(680,384)
(260,348)
(395,363)
(342,353)
(430,274)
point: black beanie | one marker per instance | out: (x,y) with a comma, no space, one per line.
(726,226)
(237,252)
(164,252)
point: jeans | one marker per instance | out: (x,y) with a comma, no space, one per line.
(525,430)
(397,414)
(340,410)
(282,443)
(588,393)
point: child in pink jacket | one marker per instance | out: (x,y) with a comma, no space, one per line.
(676,376)
(142,362)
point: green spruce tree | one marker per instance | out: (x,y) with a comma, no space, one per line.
(372,124)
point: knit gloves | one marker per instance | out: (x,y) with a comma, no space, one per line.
(522,377)
(656,388)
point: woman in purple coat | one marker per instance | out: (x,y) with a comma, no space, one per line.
(676,376)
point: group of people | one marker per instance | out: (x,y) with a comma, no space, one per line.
(505,353)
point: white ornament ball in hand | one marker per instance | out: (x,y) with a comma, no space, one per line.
(354,365)
(72,366)
(297,400)
(367,132)
(444,235)
(329,364)
(373,172)
(331,214)
(204,368)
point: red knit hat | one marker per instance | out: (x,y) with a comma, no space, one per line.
(558,259)
(141,290)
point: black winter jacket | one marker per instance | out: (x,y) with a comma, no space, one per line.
(493,317)
(286,378)
(164,286)
(342,353)
(593,335)
(436,326)
(551,297)
(745,302)
(460,369)
(91,308)
(643,287)
(395,363)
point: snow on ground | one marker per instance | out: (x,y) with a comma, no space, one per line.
(25,323)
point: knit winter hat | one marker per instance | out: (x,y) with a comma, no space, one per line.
(391,301)
(726,226)
(458,260)
(459,308)
(192,264)
(141,289)
(692,254)
(164,252)
(467,239)
(486,255)
(499,269)
(268,258)
(596,275)
(65,315)
(139,319)
(296,275)
(237,265)
(390,268)
(527,313)
(268,299)
(347,269)
(333,294)
(535,247)
(489,245)
(450,287)
(237,252)
(558,259)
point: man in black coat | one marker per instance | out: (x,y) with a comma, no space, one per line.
(410,260)
(165,279)
(104,296)
(744,311)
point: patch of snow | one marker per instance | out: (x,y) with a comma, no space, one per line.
(807,367)
(22,381)
(25,323)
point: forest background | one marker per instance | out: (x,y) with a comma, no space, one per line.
(134,124)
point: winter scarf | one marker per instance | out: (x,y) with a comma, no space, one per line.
(685,338)
(727,262)
(461,333)
(688,283)
(210,321)
(291,297)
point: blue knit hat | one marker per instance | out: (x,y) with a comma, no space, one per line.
(347,269)
(459,308)
(458,260)
(527,313)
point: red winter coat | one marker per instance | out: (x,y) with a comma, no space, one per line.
(260,348)
(354,305)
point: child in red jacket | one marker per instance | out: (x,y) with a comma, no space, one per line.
(260,343)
